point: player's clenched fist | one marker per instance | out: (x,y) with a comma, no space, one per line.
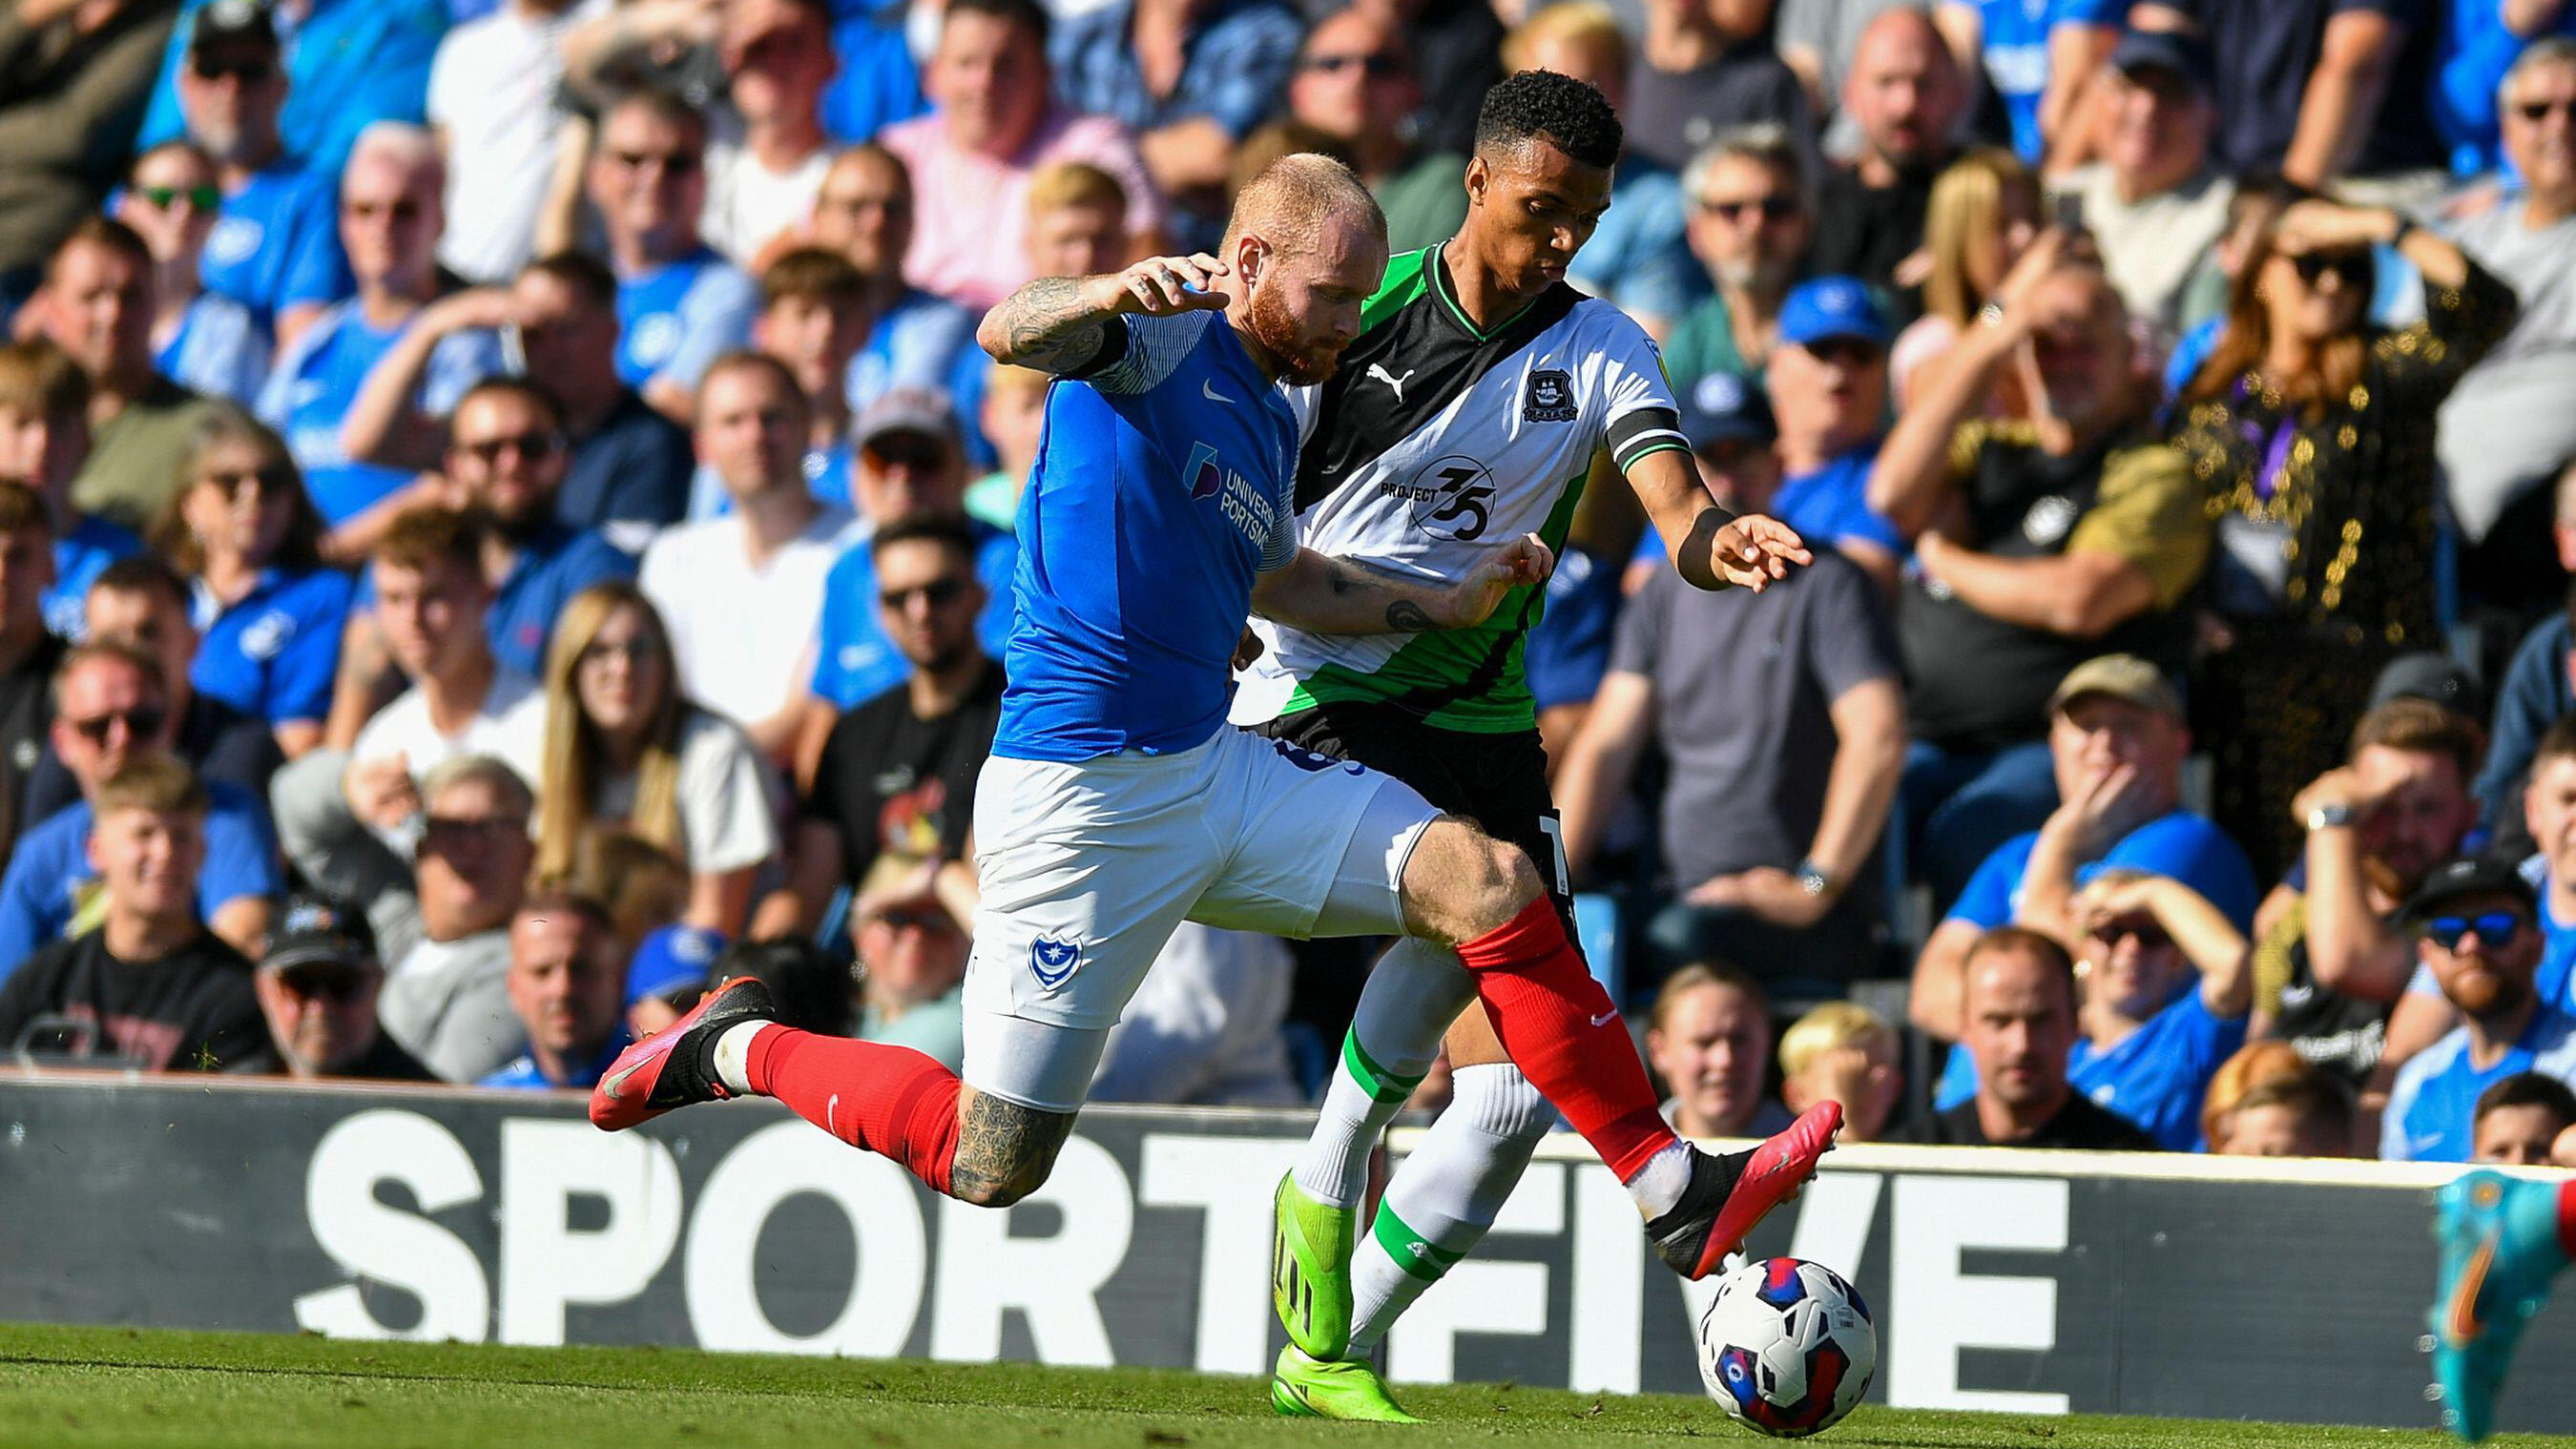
(1162,287)
(1525,560)
(1754,551)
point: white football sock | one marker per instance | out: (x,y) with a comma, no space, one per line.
(1412,995)
(1445,1194)
(733,1056)
(1659,1185)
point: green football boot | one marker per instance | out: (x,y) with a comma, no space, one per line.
(1305,1387)
(1310,1270)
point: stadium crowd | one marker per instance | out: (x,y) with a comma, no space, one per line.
(509,525)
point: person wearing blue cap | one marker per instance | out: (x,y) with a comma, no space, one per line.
(1828,385)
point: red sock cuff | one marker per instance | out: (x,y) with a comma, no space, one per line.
(1636,1138)
(769,1047)
(1535,930)
(2567,1219)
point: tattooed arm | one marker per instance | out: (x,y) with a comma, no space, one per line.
(1059,325)
(1335,596)
(1004,1150)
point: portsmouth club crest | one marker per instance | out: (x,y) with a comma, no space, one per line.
(1051,961)
(1550,398)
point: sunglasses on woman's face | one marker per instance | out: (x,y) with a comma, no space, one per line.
(2352,267)
(162,198)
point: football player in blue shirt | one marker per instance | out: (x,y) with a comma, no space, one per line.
(1118,803)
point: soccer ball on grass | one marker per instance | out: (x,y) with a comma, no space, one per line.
(1786,1347)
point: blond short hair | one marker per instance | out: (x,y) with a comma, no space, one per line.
(1831,1027)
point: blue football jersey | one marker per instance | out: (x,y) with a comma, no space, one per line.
(1162,487)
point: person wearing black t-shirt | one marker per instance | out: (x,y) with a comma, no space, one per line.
(151,986)
(2020,1026)
(895,786)
(1905,91)
(28,653)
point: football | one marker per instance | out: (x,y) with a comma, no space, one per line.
(1786,1347)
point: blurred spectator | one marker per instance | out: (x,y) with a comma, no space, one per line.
(644,887)
(447,999)
(390,200)
(202,340)
(44,436)
(569,991)
(2153,203)
(865,212)
(1750,221)
(2312,432)
(2304,1114)
(1355,83)
(667,972)
(150,984)
(506,460)
(2018,1024)
(626,744)
(1701,67)
(2549,817)
(349,64)
(680,306)
(1905,93)
(276,246)
(1782,708)
(767,161)
(1203,1029)
(2252,1065)
(2152,1035)
(2518,1121)
(911,972)
(495,98)
(2474,924)
(1828,386)
(97,307)
(110,710)
(2261,197)
(765,560)
(317,987)
(268,614)
(29,653)
(2324,89)
(910,467)
(994,125)
(1014,415)
(1638,258)
(879,81)
(811,987)
(73,81)
(1078,221)
(2477,51)
(814,318)
(1190,78)
(2012,46)
(1982,215)
(2332,955)
(1846,1053)
(2063,538)
(626,467)
(140,603)
(351,820)
(1708,1037)
(2539,690)
(2503,434)
(2116,744)
(894,786)
(1817,38)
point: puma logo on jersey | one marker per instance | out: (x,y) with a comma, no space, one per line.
(1394,384)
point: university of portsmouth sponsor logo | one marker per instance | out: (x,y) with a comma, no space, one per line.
(1205,475)
(1051,961)
(1254,515)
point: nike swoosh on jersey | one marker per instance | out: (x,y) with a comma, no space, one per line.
(1208,390)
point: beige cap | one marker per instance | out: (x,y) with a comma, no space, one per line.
(2123,677)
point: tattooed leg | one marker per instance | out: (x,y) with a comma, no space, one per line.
(1004,1150)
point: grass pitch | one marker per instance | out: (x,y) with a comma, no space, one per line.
(113,1386)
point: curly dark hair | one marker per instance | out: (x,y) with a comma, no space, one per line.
(1570,114)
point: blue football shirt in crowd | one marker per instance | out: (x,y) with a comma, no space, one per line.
(272,654)
(49,879)
(1831,504)
(524,1075)
(80,556)
(675,319)
(1568,649)
(317,380)
(2432,1111)
(2158,1075)
(553,564)
(1162,487)
(1639,258)
(349,64)
(2013,47)
(878,83)
(219,350)
(854,661)
(276,244)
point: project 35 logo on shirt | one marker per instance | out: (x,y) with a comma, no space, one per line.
(1251,514)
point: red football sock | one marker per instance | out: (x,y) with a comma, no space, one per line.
(2567,1219)
(1566,1036)
(887,1099)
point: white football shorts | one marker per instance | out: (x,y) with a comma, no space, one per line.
(1087,869)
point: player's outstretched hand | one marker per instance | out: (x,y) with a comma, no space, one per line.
(1164,287)
(1525,560)
(1756,552)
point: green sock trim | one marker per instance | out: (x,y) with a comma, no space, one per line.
(1417,1256)
(1377,1081)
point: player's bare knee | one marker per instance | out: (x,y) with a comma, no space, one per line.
(1462,882)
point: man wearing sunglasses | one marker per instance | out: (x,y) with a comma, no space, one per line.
(1749,220)
(1355,82)
(680,304)
(2474,924)
(912,972)
(1828,386)
(2167,983)
(317,986)
(109,711)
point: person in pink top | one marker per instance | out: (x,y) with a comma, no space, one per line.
(991,128)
